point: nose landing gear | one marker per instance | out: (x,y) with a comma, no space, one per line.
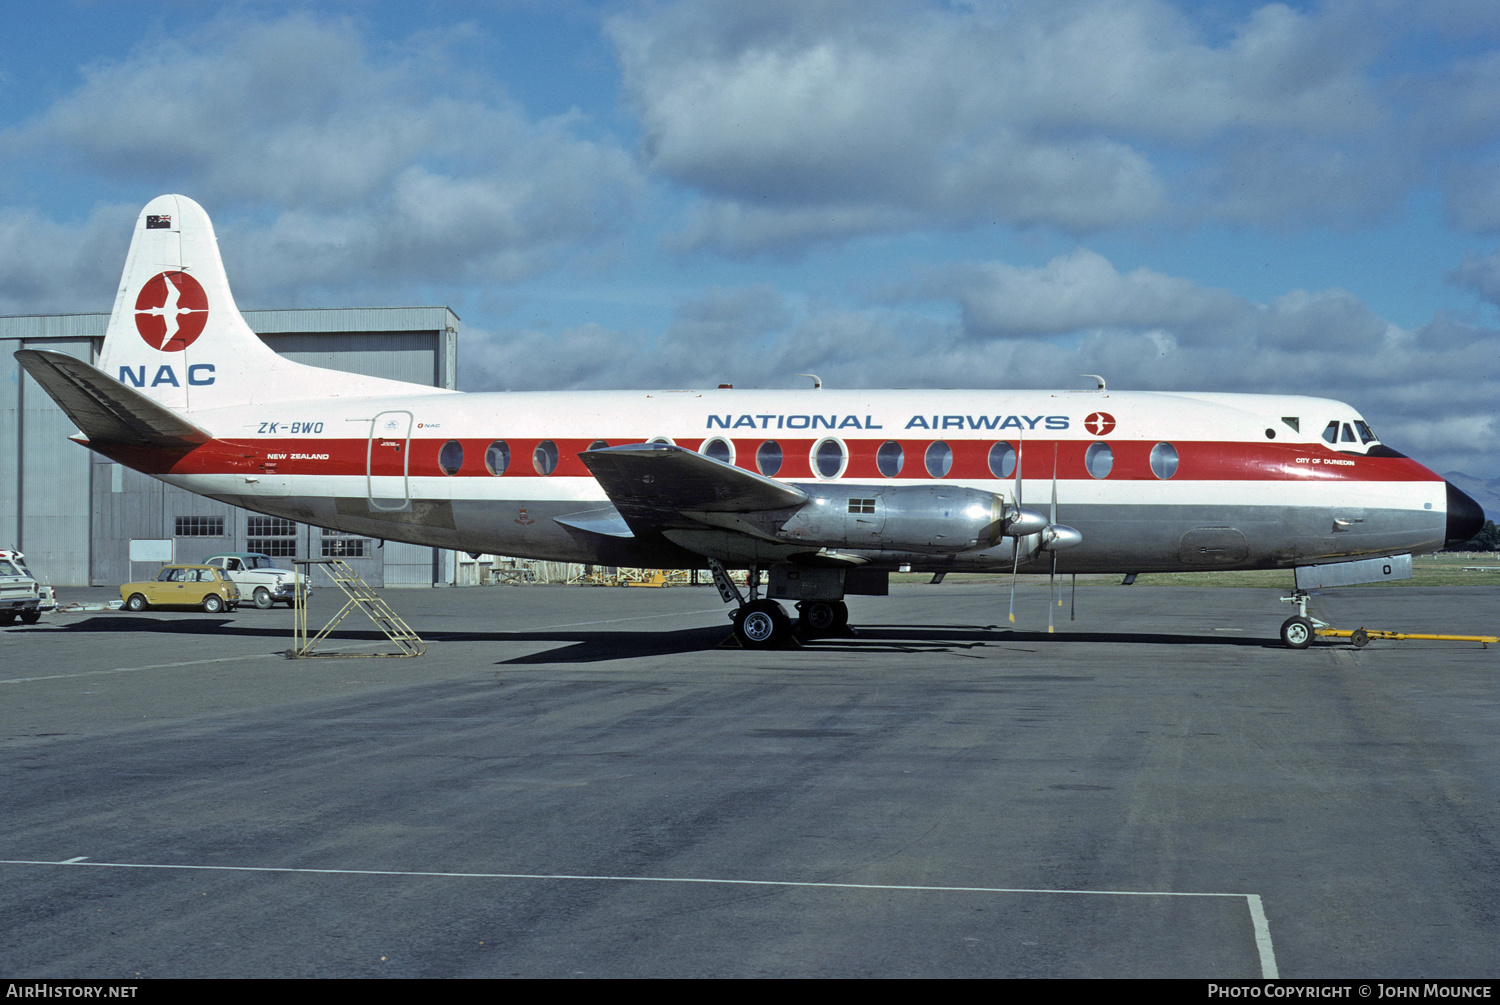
(1298,631)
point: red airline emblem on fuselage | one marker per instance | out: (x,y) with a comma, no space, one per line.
(170,311)
(1099,423)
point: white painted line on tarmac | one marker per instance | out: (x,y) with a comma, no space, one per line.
(1268,968)
(1263,945)
(168,666)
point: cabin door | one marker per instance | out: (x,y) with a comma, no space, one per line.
(388,461)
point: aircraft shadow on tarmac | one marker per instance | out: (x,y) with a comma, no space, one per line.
(594,647)
(605,646)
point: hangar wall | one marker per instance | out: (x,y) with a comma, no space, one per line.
(74,513)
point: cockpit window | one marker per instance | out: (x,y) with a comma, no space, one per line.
(1366,434)
(1331,432)
(1293,421)
(1349,434)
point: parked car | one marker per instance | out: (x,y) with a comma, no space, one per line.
(257,577)
(183,586)
(20,594)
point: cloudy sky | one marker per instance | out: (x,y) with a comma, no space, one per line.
(1180,196)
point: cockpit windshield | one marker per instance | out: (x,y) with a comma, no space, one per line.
(1355,432)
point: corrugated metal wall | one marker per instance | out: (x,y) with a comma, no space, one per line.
(74,513)
(50,494)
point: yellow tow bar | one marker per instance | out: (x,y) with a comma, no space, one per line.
(1362,636)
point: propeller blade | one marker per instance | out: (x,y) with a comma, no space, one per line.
(1015,568)
(1051,588)
(1052,522)
(1014,571)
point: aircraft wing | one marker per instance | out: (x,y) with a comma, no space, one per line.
(105,410)
(655,486)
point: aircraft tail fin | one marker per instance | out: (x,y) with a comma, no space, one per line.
(176,335)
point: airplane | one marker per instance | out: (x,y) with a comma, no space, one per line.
(823,492)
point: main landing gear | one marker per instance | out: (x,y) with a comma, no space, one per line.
(762,623)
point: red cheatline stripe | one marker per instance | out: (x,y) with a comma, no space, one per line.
(1197,460)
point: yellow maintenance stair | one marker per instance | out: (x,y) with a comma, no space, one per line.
(361,597)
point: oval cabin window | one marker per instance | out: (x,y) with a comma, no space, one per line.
(1099,459)
(1164,460)
(719,449)
(544,457)
(939,459)
(890,458)
(768,458)
(829,458)
(451,457)
(497,457)
(1002,460)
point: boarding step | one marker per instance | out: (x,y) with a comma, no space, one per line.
(360,597)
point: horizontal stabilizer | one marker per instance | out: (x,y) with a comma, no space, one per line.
(105,410)
(654,484)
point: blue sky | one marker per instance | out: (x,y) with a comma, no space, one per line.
(1296,198)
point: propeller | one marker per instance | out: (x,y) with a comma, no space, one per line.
(1015,568)
(1056,538)
(1051,535)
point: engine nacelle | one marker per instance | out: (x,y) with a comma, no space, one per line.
(935,519)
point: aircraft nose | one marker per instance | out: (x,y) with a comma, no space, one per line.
(1465,516)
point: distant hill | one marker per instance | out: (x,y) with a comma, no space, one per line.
(1485,493)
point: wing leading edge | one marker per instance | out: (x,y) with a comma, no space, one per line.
(658,486)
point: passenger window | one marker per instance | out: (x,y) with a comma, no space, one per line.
(829,458)
(938,459)
(1099,459)
(497,457)
(1002,460)
(768,458)
(451,457)
(890,458)
(1164,460)
(544,457)
(719,449)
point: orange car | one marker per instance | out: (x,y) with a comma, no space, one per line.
(183,586)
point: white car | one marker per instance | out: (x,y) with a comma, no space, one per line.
(257,577)
(20,594)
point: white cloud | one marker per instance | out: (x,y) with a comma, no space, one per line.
(824,120)
(1082,290)
(1480,274)
(331,162)
(49,267)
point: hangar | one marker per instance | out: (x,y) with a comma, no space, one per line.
(75,513)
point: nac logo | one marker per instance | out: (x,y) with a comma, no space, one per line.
(170,311)
(1099,423)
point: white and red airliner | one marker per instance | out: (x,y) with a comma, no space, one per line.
(823,491)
